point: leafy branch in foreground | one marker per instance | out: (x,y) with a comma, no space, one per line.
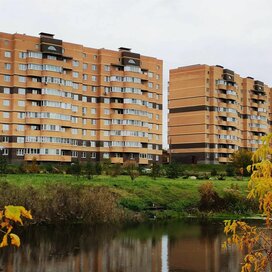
(12,214)
(257,241)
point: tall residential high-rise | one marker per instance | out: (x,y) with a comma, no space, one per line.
(214,112)
(61,101)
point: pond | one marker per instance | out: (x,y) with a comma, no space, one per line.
(146,247)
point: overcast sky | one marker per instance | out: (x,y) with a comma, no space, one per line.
(236,34)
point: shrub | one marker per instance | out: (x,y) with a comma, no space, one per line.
(131,168)
(172,170)
(209,199)
(213,172)
(155,170)
(115,170)
(235,202)
(230,170)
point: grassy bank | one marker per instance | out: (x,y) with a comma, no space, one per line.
(54,198)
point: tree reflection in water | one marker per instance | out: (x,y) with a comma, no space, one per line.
(150,247)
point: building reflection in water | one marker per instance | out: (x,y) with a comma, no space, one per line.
(172,247)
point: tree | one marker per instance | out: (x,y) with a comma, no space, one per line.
(155,170)
(90,170)
(3,165)
(132,169)
(257,241)
(172,170)
(240,160)
(10,215)
(75,169)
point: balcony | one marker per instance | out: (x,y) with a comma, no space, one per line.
(39,157)
(223,159)
(116,160)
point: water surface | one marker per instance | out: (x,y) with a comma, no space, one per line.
(149,247)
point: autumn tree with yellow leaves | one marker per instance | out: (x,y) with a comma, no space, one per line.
(256,241)
(9,216)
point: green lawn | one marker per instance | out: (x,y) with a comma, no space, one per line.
(144,193)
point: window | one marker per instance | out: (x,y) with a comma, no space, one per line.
(107,79)
(83,155)
(84,98)
(7,66)
(106,68)
(21,103)
(106,100)
(93,155)
(7,54)
(21,91)
(6,102)
(106,111)
(94,88)
(20,139)
(75,63)
(74,154)
(94,68)
(150,74)
(93,78)
(85,77)
(74,131)
(20,152)
(5,152)
(93,111)
(7,78)
(93,132)
(20,127)
(35,55)
(84,88)
(106,155)
(22,79)
(95,57)
(84,121)
(5,127)
(22,67)
(6,114)
(150,85)
(85,66)
(6,90)
(22,55)
(84,132)
(20,115)
(93,122)
(5,139)
(75,74)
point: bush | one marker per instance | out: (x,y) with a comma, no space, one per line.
(131,168)
(213,172)
(230,170)
(209,199)
(235,202)
(173,170)
(115,170)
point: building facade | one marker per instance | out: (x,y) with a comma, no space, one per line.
(61,101)
(214,112)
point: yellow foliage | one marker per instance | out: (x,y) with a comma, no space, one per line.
(9,215)
(257,241)
(15,240)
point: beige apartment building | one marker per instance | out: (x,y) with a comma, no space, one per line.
(61,101)
(213,112)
